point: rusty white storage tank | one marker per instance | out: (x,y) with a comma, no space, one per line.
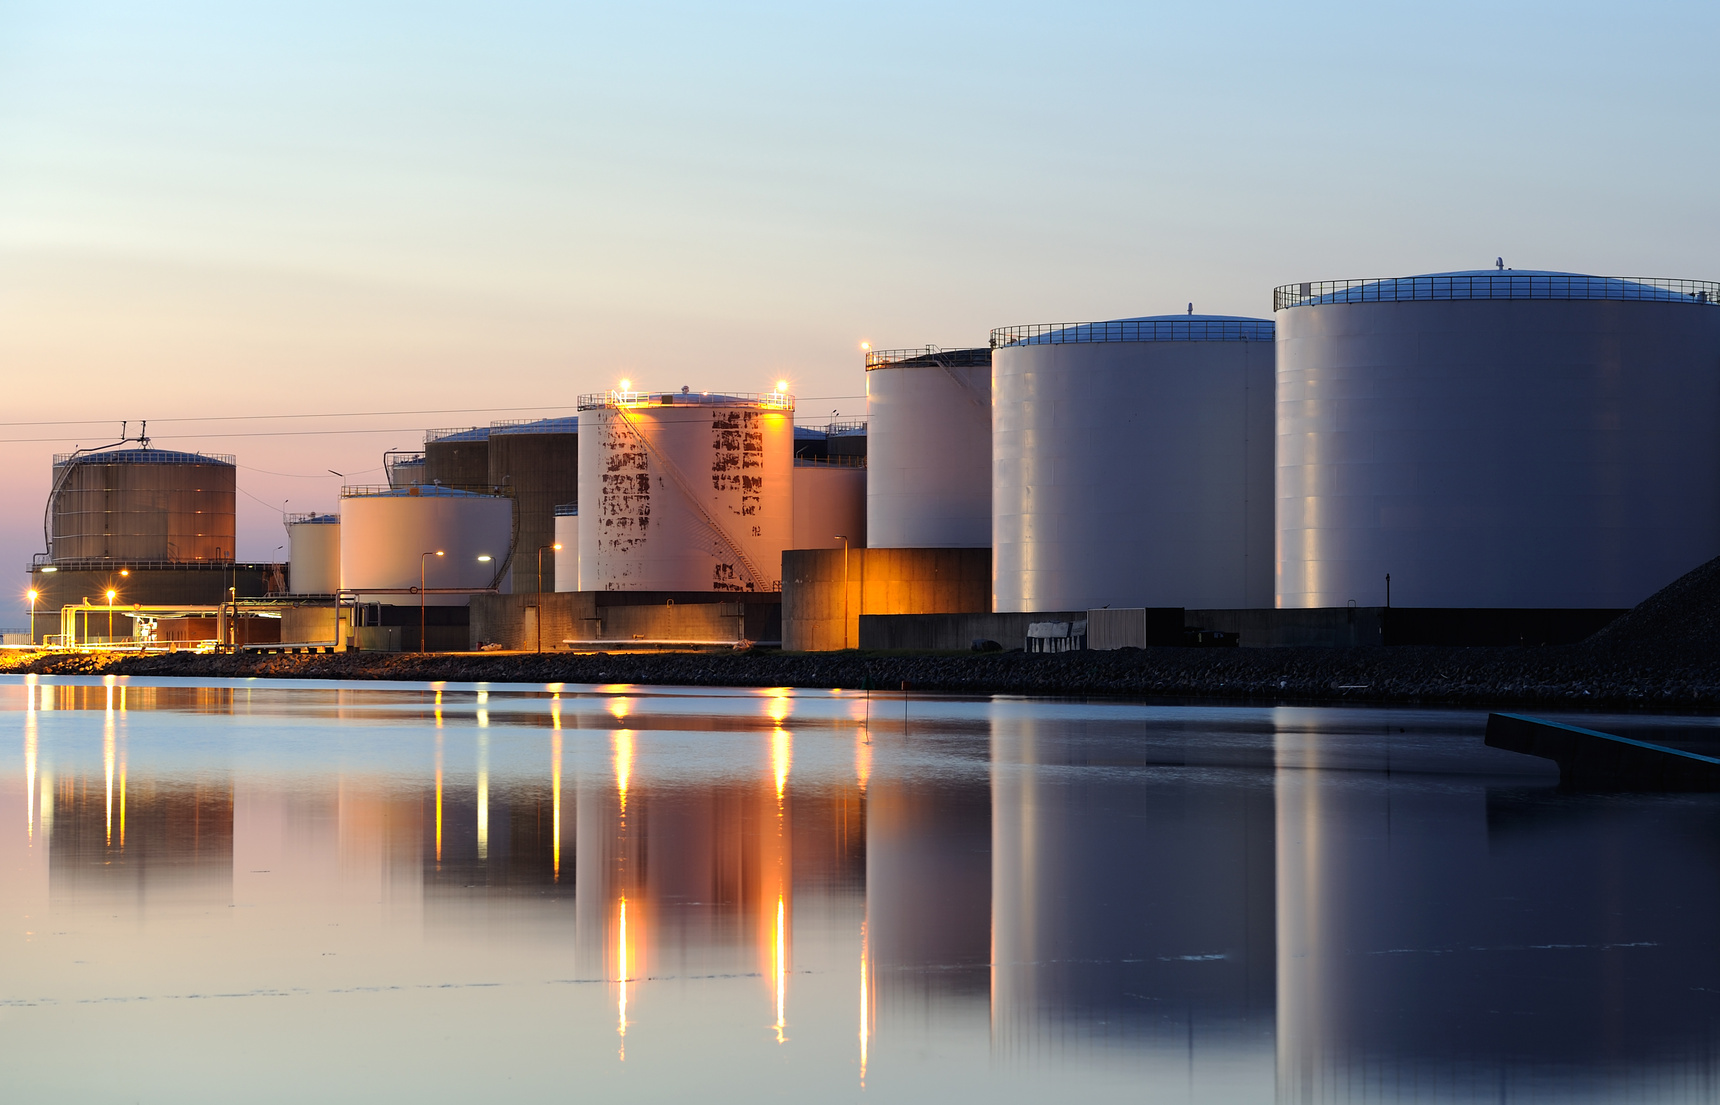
(1133,464)
(313,554)
(567,557)
(928,480)
(141,505)
(1495,438)
(387,532)
(683,491)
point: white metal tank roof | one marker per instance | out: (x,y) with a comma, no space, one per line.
(1495,284)
(145,456)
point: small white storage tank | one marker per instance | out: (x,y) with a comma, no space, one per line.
(313,554)
(829,499)
(567,557)
(386,531)
(928,480)
(683,491)
(1132,464)
(1495,438)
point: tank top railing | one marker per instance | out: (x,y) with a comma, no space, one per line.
(1504,284)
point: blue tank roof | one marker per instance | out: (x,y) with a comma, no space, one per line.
(145,456)
(566,425)
(1185,327)
(1495,283)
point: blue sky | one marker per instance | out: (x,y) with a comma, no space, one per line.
(264,209)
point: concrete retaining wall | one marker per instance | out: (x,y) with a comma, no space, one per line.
(817,616)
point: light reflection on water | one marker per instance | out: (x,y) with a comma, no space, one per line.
(442,891)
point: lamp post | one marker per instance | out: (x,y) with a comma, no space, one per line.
(34,595)
(111,595)
(539,625)
(842,537)
(233,616)
(422,560)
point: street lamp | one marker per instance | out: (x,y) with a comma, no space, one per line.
(421,562)
(34,595)
(539,623)
(842,537)
(112,594)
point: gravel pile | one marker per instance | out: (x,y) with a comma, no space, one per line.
(1682,619)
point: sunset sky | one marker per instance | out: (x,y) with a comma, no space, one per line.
(215,215)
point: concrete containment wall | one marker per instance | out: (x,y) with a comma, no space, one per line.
(582,619)
(954,631)
(817,616)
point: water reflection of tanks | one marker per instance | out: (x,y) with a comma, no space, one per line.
(141,838)
(313,553)
(1494,942)
(386,532)
(929,448)
(1127,900)
(538,462)
(142,505)
(1133,464)
(1495,439)
(928,889)
(685,492)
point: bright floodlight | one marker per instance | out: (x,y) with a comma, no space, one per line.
(111,596)
(484,558)
(782,385)
(627,385)
(439,552)
(556,546)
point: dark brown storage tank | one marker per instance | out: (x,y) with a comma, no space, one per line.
(539,462)
(141,506)
(458,458)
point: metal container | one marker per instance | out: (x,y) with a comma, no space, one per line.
(1495,439)
(313,554)
(385,533)
(141,506)
(829,500)
(685,491)
(928,414)
(458,458)
(538,463)
(1132,464)
(567,557)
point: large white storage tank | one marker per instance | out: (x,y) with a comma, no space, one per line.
(829,502)
(928,479)
(1495,438)
(385,533)
(567,557)
(313,554)
(683,491)
(1132,464)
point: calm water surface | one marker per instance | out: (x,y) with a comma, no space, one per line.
(259,890)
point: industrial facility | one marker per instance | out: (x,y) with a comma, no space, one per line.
(1490,456)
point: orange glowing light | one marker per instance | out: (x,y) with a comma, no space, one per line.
(555,782)
(781,968)
(865,346)
(627,385)
(623,764)
(621,977)
(438,784)
(782,385)
(782,758)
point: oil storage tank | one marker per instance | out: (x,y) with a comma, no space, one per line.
(386,532)
(1132,464)
(313,554)
(685,491)
(567,557)
(538,463)
(458,457)
(928,480)
(142,505)
(1495,438)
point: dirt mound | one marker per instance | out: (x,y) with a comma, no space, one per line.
(1682,617)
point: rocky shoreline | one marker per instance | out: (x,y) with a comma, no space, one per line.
(1580,676)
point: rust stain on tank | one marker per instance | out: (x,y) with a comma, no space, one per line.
(624,502)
